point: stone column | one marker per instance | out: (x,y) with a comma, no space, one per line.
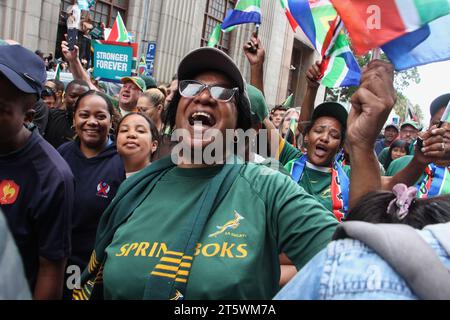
(33,23)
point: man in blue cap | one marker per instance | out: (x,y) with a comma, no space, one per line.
(36,184)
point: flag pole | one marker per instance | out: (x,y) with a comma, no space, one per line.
(376,54)
(446,116)
(257,30)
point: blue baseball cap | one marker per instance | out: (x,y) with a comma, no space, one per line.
(24,69)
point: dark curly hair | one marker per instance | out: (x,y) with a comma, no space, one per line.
(422,212)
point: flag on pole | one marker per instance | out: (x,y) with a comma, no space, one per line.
(290,17)
(289,102)
(245,11)
(410,115)
(142,67)
(58,72)
(314,18)
(428,44)
(290,135)
(340,67)
(214,39)
(322,26)
(372,24)
(119,32)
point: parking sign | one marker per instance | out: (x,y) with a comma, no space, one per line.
(151,53)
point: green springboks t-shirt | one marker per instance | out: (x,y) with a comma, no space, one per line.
(264,213)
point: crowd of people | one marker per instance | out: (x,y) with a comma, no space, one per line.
(103,185)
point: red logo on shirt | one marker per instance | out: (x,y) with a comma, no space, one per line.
(103,189)
(9,191)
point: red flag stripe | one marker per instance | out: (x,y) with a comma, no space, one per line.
(292,22)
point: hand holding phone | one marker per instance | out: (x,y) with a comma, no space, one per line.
(71,40)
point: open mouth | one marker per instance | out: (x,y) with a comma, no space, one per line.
(204,118)
(321,150)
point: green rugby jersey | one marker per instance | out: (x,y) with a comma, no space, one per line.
(237,255)
(317,182)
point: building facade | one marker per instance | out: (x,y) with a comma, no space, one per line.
(176,27)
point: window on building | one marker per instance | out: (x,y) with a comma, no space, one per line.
(104,10)
(216,11)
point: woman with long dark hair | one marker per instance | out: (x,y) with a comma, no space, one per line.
(399,148)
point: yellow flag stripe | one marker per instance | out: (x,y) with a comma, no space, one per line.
(179,254)
(163,274)
(183,273)
(280,147)
(165,259)
(168,268)
(76,294)
(180,280)
(84,295)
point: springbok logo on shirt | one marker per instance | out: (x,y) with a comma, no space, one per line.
(230,225)
(103,189)
(178,296)
(9,191)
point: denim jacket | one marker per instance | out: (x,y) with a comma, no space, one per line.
(348,269)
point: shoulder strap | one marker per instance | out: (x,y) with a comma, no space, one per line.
(298,167)
(407,252)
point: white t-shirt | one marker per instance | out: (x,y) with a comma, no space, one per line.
(73,21)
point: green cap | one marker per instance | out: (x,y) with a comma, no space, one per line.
(258,105)
(149,82)
(413,124)
(137,81)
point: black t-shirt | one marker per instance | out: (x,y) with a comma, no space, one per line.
(36,195)
(41,117)
(96,183)
(59,127)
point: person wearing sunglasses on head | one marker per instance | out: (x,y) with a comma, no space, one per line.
(194,227)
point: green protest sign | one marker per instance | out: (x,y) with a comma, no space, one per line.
(112,62)
(96,33)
